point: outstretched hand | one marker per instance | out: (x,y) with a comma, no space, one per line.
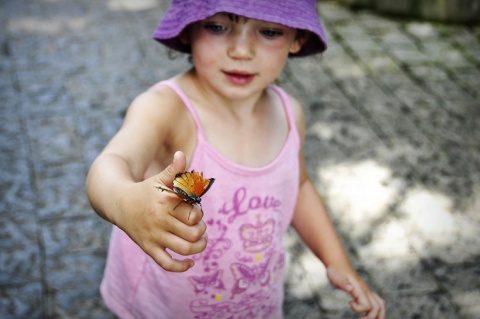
(155,220)
(364,301)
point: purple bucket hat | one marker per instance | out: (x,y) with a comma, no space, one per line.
(298,14)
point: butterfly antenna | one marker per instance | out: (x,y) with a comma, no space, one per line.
(164,189)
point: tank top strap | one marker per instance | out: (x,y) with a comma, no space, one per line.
(186,101)
(287,106)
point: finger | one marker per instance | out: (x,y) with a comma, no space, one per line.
(178,206)
(377,307)
(360,306)
(360,302)
(383,311)
(379,304)
(187,213)
(182,246)
(191,233)
(164,260)
(373,312)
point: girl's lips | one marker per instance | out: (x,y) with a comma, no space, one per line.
(239,77)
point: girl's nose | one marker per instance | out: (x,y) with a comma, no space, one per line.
(241,46)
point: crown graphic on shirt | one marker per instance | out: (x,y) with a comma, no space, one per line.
(257,237)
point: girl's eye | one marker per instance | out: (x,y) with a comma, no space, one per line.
(270,33)
(214,28)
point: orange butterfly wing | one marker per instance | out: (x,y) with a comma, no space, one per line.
(191,186)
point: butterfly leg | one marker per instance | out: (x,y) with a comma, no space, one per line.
(178,204)
(188,218)
(170,191)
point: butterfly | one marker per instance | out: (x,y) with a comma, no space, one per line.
(247,275)
(190,187)
(203,283)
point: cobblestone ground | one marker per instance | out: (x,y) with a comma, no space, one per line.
(393,145)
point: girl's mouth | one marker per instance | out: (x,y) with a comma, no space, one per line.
(239,77)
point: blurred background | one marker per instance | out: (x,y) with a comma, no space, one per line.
(393,141)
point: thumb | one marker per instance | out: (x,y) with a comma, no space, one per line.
(178,165)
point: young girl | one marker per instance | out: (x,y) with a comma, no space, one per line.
(225,118)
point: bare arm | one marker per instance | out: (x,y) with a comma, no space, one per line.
(313,224)
(118,193)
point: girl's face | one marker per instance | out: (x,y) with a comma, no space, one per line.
(238,57)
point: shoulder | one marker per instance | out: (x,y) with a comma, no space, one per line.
(297,108)
(155,108)
(297,111)
(159,99)
(156,116)
(294,104)
(299,117)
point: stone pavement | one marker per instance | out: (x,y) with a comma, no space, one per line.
(393,144)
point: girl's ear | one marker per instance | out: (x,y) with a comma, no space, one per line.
(300,39)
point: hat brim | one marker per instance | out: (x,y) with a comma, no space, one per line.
(303,17)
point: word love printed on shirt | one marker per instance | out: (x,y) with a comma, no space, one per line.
(242,204)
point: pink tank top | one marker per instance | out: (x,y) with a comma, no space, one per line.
(240,274)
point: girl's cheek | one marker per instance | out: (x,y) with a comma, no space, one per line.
(206,48)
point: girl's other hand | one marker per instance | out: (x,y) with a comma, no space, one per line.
(157,220)
(364,301)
